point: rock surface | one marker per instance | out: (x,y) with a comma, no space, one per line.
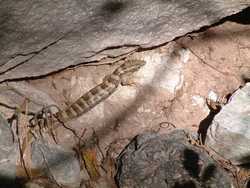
(171,90)
(8,155)
(40,37)
(57,163)
(229,133)
(152,160)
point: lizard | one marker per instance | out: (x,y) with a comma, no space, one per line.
(99,93)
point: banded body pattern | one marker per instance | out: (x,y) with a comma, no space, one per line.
(100,92)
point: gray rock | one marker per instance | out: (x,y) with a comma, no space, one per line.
(57,163)
(229,133)
(8,155)
(39,37)
(152,160)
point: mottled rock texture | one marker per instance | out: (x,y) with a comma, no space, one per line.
(152,160)
(43,36)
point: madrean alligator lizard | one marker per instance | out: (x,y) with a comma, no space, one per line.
(99,93)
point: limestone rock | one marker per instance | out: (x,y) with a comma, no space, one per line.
(229,133)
